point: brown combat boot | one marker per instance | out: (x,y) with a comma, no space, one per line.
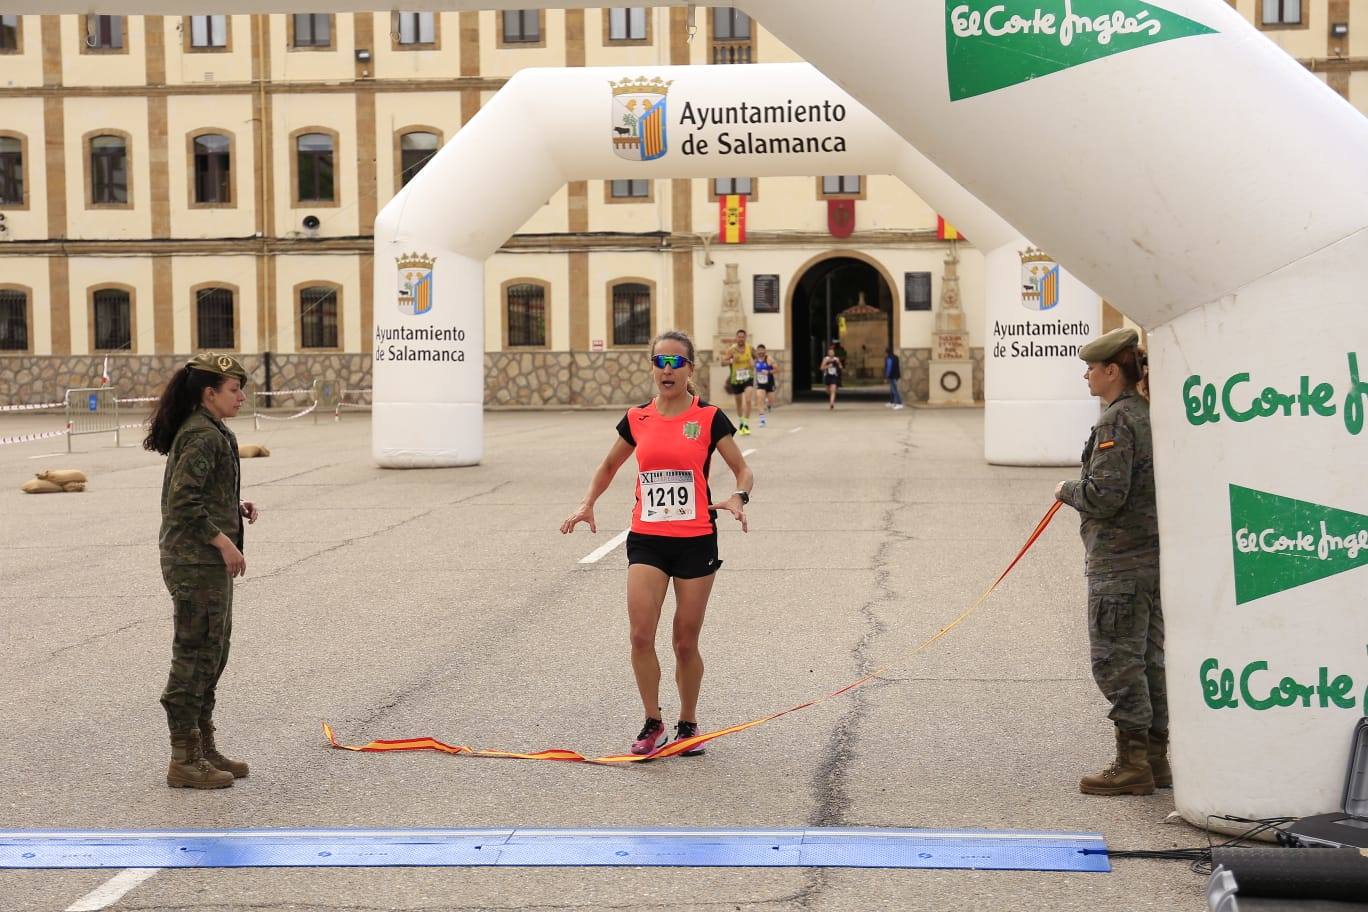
(188,767)
(1158,759)
(210,752)
(1130,774)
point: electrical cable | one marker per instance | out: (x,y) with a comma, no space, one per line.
(1199,857)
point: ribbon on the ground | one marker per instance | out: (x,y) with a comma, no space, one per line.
(678,747)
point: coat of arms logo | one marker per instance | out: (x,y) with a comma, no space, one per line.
(1039,280)
(638,118)
(692,429)
(415,283)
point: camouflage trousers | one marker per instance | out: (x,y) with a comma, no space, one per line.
(1126,633)
(203,600)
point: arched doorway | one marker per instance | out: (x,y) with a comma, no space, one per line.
(847,300)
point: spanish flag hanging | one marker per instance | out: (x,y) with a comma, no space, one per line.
(731,227)
(946,231)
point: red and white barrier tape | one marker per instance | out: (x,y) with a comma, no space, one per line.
(29,438)
(304,392)
(31,408)
(137,399)
(287,417)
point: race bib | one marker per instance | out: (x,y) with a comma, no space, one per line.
(742,374)
(667,495)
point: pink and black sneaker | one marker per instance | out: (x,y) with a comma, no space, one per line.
(652,737)
(688,730)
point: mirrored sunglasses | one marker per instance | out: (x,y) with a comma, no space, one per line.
(675,362)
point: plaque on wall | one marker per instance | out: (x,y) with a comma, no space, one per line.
(765,294)
(917,291)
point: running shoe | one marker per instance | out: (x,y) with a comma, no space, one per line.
(762,419)
(744,432)
(652,736)
(688,730)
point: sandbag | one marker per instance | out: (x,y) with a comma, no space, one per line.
(74,487)
(252,450)
(41,486)
(62,476)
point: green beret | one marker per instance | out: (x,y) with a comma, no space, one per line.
(1106,347)
(215,363)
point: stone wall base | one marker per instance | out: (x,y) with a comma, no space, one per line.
(512,379)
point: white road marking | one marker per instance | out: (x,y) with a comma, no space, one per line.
(112,890)
(796,430)
(46,455)
(601,552)
(748,452)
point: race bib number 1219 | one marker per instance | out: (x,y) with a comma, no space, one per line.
(667,495)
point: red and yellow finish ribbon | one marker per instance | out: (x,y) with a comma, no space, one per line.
(678,747)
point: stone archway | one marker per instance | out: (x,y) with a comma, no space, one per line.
(822,290)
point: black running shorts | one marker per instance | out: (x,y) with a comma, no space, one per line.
(737,389)
(681,558)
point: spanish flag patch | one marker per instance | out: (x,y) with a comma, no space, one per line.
(1106,444)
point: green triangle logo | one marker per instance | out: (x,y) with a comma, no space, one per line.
(993,44)
(1280,543)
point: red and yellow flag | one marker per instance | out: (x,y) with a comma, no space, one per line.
(946,231)
(731,227)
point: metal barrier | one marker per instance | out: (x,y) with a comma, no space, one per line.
(92,410)
(343,403)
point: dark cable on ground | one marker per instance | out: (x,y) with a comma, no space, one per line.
(1199,858)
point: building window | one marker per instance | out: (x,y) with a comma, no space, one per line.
(417,28)
(522,26)
(1281,12)
(108,170)
(733,186)
(13,320)
(11,171)
(105,33)
(318,317)
(627,23)
(414,151)
(732,37)
(841,185)
(113,319)
(631,314)
(214,319)
(629,189)
(526,305)
(213,164)
(314,160)
(9,34)
(208,32)
(312,30)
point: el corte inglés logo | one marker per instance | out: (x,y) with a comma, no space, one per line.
(992,45)
(1280,543)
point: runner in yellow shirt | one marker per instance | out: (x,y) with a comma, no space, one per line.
(740,357)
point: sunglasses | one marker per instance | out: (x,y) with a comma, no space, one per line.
(674,362)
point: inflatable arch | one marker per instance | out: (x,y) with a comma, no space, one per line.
(553,126)
(1215,191)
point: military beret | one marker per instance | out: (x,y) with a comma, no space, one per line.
(215,363)
(1108,346)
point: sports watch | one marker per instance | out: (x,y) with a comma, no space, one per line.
(744,495)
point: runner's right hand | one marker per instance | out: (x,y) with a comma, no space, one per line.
(584,514)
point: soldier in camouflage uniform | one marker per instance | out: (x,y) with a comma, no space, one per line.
(1115,498)
(201,551)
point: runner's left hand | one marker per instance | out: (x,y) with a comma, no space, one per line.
(733,506)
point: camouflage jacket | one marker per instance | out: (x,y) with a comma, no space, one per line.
(201,491)
(1115,491)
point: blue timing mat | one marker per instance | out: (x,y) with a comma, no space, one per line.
(856,847)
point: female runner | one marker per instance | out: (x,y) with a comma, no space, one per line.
(674,526)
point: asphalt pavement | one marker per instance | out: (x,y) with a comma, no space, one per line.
(445,603)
